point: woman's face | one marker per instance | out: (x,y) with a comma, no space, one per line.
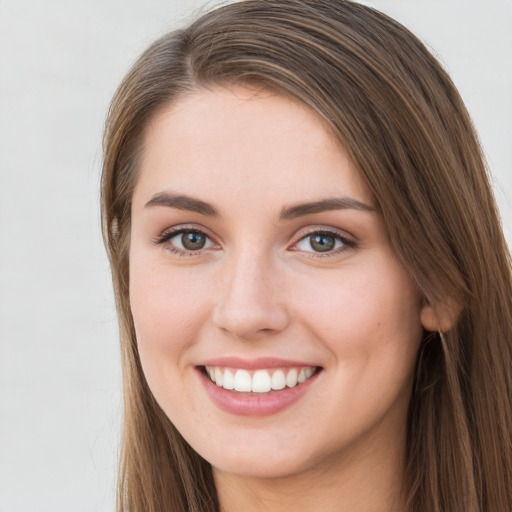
(258,256)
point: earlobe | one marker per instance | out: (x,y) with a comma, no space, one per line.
(441,317)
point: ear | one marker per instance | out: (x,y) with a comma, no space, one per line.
(440,317)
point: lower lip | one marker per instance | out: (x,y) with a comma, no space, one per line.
(265,404)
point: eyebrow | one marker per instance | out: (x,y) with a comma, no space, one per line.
(332,203)
(184,202)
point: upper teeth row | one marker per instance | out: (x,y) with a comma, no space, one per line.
(261,381)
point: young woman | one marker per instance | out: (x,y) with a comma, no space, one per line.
(314,291)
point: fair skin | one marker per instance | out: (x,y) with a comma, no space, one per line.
(226,272)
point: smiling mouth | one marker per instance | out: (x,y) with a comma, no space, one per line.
(259,381)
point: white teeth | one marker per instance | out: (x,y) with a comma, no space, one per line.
(228,381)
(278,380)
(219,376)
(242,381)
(261,381)
(291,378)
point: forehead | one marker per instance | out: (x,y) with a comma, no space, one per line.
(241,140)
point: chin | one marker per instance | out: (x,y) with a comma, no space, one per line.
(260,467)
(260,460)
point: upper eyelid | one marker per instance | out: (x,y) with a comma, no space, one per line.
(302,233)
(176,230)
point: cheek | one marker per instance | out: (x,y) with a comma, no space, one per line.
(363,313)
(168,308)
(370,323)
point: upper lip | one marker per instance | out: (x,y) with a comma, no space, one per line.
(257,363)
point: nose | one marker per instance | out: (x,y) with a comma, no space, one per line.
(251,301)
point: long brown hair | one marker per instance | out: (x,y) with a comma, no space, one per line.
(400,117)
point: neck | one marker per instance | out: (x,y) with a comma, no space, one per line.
(371,481)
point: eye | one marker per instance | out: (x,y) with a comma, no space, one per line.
(190,240)
(323,242)
(186,241)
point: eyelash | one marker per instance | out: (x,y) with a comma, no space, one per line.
(346,243)
(166,236)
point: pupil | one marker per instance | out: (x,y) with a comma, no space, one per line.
(193,241)
(322,243)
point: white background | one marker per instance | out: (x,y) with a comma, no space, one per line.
(60,61)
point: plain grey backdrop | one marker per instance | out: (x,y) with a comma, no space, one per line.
(60,61)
